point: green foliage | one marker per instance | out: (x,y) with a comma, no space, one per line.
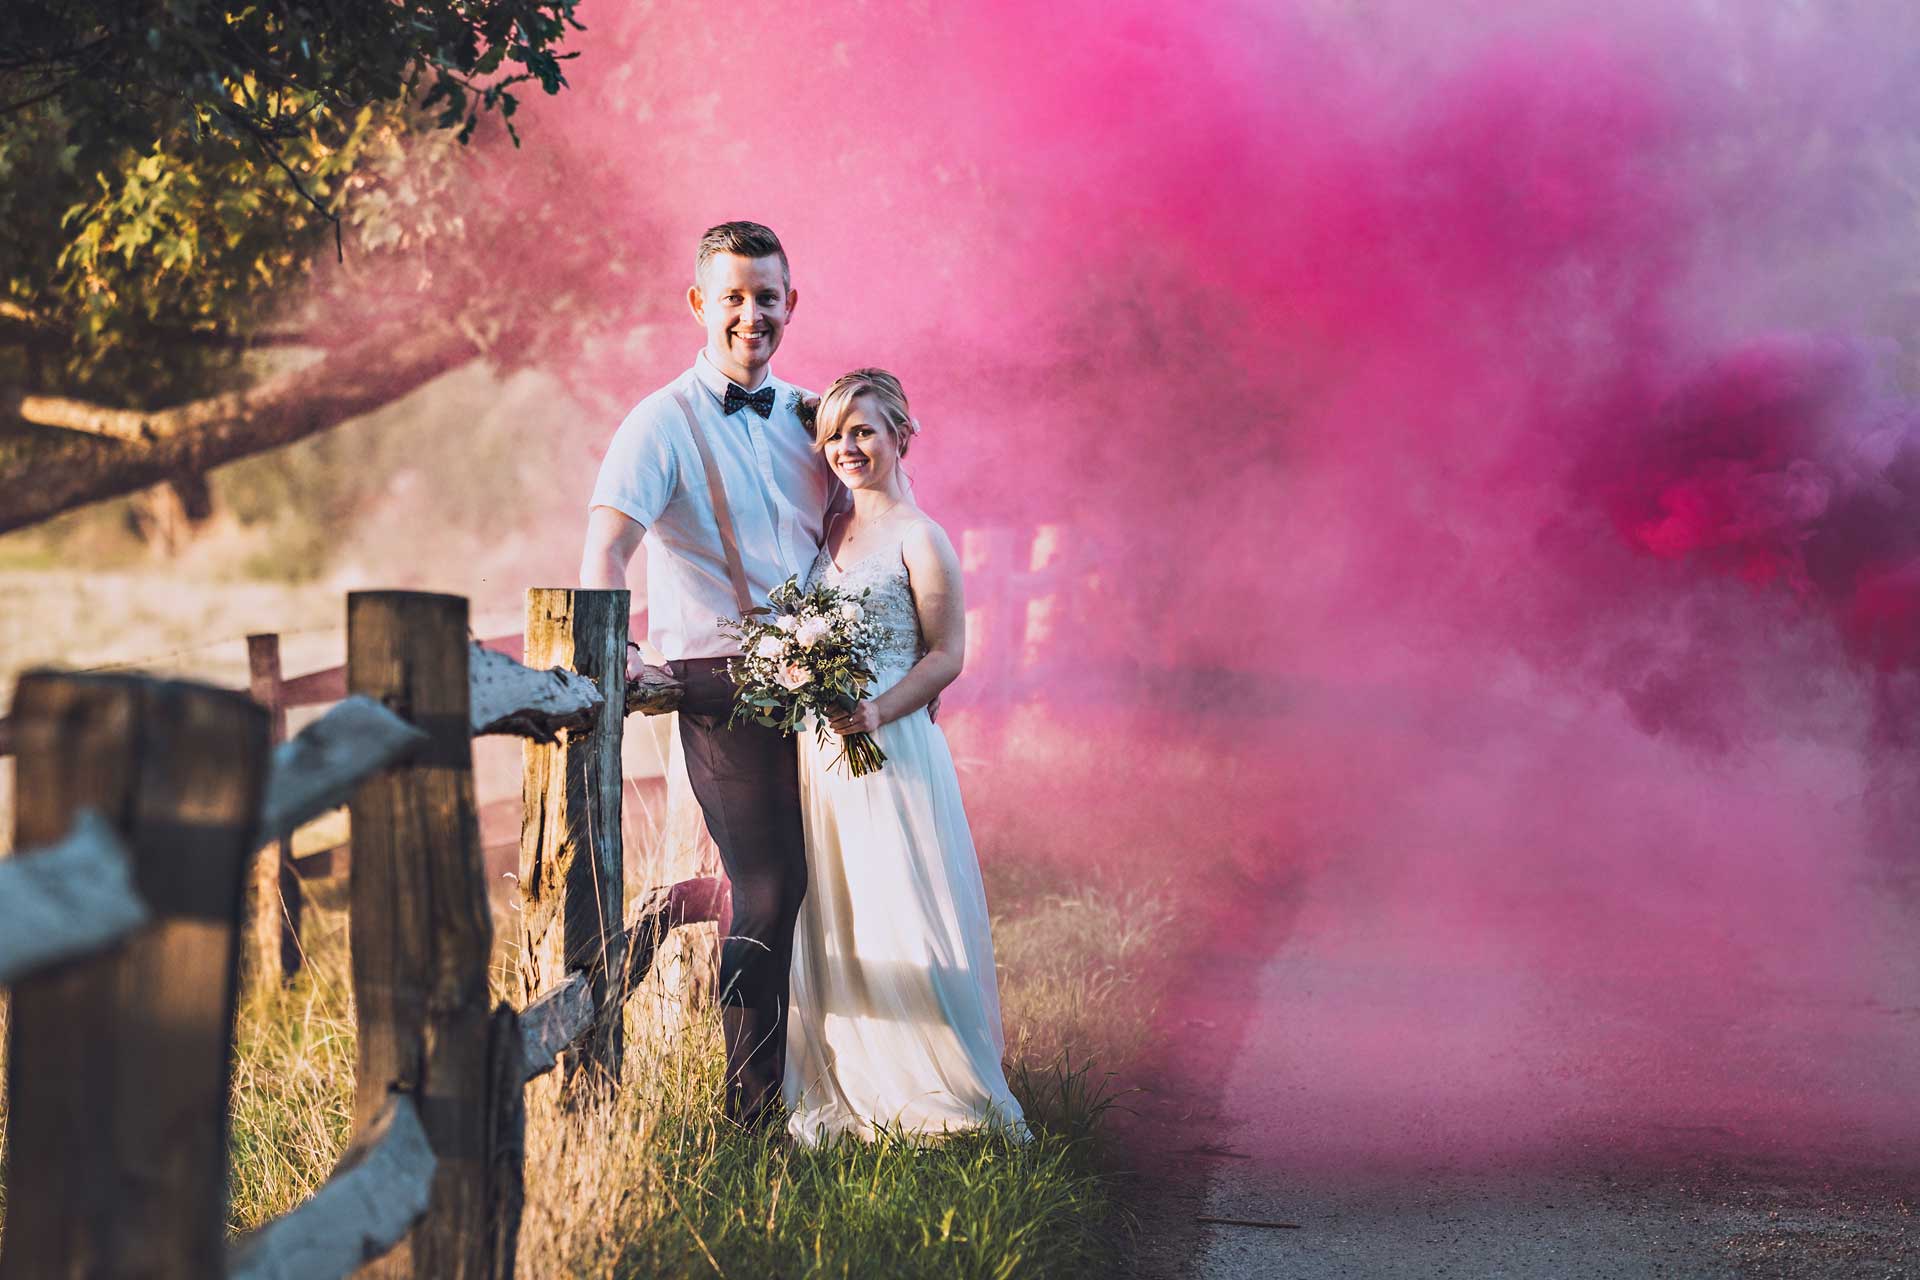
(673,1190)
(966,1207)
(166,171)
(149,267)
(130,74)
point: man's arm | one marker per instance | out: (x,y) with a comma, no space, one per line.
(612,538)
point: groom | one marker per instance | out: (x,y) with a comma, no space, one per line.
(717,475)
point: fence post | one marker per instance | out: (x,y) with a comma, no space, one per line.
(570,847)
(274,927)
(120,1062)
(421,937)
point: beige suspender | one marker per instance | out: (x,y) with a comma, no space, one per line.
(722,513)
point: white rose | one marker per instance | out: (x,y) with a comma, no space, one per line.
(812,631)
(769,647)
(786,622)
(851,611)
(793,675)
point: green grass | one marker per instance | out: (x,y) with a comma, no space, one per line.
(658,1184)
(664,1187)
(671,1190)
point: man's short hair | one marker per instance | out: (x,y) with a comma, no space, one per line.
(747,240)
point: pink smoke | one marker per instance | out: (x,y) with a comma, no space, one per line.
(1410,387)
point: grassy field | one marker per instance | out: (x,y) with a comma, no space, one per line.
(661,1186)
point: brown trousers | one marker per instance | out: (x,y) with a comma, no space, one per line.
(747,780)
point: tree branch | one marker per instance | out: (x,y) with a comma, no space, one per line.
(35,99)
(270,147)
(122,450)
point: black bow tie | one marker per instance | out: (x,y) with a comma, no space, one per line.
(761,401)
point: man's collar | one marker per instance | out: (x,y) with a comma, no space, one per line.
(717,382)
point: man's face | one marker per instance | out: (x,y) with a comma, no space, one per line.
(744,304)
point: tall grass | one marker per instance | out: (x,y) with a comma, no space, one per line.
(663,1186)
(659,1184)
(292,1109)
(1080,972)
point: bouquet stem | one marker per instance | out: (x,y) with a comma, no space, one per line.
(860,752)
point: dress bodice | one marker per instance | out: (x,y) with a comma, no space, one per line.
(883,574)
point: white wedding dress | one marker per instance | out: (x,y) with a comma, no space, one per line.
(894,1023)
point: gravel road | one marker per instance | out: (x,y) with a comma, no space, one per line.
(1565,1005)
(1396,1144)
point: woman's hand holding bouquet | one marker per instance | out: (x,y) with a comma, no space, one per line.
(809,653)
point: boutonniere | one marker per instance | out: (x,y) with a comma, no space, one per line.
(805,407)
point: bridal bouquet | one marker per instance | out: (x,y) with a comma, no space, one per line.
(811,652)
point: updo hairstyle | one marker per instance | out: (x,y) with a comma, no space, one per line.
(886,392)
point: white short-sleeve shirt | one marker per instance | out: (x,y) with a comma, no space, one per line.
(777,487)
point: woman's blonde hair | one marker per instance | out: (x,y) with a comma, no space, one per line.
(887,394)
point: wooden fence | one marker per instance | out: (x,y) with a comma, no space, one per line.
(276,895)
(140,803)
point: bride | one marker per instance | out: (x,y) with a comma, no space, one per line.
(894,1015)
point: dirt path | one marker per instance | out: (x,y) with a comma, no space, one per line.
(1561,1003)
(1688,1203)
(1422,1097)
(1705,1226)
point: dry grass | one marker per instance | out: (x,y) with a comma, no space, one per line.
(1077,974)
(662,1187)
(292,1110)
(657,1184)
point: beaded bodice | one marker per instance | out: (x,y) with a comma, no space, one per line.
(883,574)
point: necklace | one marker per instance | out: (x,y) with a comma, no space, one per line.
(852,534)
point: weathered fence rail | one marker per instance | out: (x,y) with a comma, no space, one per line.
(70,899)
(140,806)
(121,927)
(1022,579)
(375,1194)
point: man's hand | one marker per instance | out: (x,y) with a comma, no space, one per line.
(642,659)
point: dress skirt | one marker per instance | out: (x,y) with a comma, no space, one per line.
(894,1020)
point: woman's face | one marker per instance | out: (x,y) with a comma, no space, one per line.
(863,451)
